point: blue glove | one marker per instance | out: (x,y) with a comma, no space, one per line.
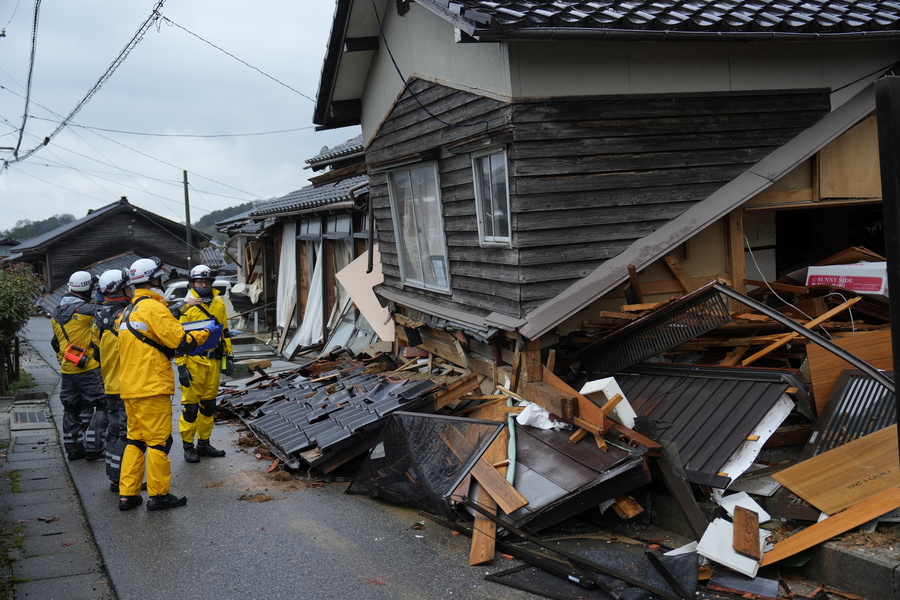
(184,376)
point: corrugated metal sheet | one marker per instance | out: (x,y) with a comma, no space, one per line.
(674,323)
(858,406)
(706,419)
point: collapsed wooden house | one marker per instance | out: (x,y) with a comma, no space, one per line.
(552,186)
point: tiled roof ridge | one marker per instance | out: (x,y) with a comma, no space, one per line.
(807,17)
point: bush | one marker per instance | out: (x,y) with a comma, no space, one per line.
(19,290)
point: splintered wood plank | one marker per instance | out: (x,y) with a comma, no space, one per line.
(508,498)
(746,533)
(871,508)
(825,368)
(484,532)
(635,284)
(457,390)
(845,475)
(790,336)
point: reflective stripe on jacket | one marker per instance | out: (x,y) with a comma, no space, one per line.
(105,337)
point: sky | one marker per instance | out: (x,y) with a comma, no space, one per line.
(222,89)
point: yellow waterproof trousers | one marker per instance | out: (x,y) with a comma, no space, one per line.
(149,434)
(199,400)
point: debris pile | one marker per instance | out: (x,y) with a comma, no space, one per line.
(747,411)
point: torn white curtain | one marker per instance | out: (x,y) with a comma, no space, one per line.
(342,258)
(287,278)
(310,330)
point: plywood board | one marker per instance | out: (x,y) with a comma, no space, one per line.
(882,503)
(848,474)
(360,286)
(874,347)
(849,166)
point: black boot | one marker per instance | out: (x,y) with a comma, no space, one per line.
(190,453)
(164,501)
(204,448)
(129,502)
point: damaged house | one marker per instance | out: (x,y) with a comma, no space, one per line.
(616,212)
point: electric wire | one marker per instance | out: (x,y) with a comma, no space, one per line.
(138,36)
(243,62)
(486,123)
(181,135)
(34,30)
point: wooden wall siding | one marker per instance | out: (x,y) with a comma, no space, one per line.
(587,178)
(117,234)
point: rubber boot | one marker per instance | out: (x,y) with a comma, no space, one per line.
(190,453)
(204,448)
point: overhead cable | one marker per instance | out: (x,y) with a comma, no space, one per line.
(34,29)
(138,36)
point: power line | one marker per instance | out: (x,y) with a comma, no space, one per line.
(180,135)
(138,36)
(171,22)
(34,29)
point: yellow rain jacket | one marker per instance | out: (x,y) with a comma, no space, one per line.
(75,315)
(205,369)
(146,371)
(105,336)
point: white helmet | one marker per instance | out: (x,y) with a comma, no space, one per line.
(201,272)
(145,269)
(113,281)
(81,281)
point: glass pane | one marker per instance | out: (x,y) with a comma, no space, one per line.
(407,240)
(499,196)
(482,168)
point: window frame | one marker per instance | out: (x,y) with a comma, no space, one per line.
(483,238)
(401,243)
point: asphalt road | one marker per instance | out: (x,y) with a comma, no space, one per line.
(301,541)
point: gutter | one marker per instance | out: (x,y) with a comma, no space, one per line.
(583,33)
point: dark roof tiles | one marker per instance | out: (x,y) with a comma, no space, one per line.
(774,16)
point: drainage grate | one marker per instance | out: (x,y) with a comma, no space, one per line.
(19,418)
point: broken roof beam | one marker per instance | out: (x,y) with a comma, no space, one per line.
(810,335)
(790,336)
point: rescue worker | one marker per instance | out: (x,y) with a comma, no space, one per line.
(81,393)
(199,374)
(113,287)
(149,337)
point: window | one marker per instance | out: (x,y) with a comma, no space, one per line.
(419,227)
(492,197)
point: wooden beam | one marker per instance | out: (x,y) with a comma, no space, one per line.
(734,254)
(635,282)
(790,336)
(677,269)
(456,390)
(863,512)
(559,403)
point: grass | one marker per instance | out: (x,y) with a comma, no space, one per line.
(14,481)
(12,538)
(26,380)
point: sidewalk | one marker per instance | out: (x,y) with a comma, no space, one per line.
(55,557)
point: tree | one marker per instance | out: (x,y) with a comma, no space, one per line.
(19,289)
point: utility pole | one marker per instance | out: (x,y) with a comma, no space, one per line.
(187,223)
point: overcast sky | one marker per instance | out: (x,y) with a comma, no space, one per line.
(181,100)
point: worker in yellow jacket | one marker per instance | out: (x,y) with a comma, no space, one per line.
(113,286)
(199,374)
(149,337)
(81,393)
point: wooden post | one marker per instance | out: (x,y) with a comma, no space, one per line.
(887,106)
